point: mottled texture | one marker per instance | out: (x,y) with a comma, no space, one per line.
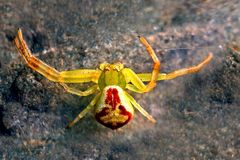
(198,116)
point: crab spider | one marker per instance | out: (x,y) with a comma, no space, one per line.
(113,106)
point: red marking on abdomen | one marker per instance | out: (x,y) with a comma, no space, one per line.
(113,125)
(112,97)
(114,115)
(126,113)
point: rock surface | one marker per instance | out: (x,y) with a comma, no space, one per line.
(198,116)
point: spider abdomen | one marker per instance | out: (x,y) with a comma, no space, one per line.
(113,109)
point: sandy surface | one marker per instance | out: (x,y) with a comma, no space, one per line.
(198,116)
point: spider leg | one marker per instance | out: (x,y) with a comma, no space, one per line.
(139,108)
(85,111)
(32,61)
(131,77)
(87,92)
(134,88)
(177,73)
(79,76)
(75,76)
(156,65)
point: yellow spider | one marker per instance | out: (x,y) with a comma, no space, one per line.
(113,105)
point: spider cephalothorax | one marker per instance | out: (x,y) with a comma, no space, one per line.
(111,74)
(113,106)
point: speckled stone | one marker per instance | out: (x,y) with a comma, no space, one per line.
(197,115)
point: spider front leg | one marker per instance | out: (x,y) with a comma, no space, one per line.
(32,61)
(75,76)
(137,85)
(85,111)
(156,65)
(163,76)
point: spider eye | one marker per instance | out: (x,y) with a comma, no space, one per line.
(107,68)
(103,66)
(118,66)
